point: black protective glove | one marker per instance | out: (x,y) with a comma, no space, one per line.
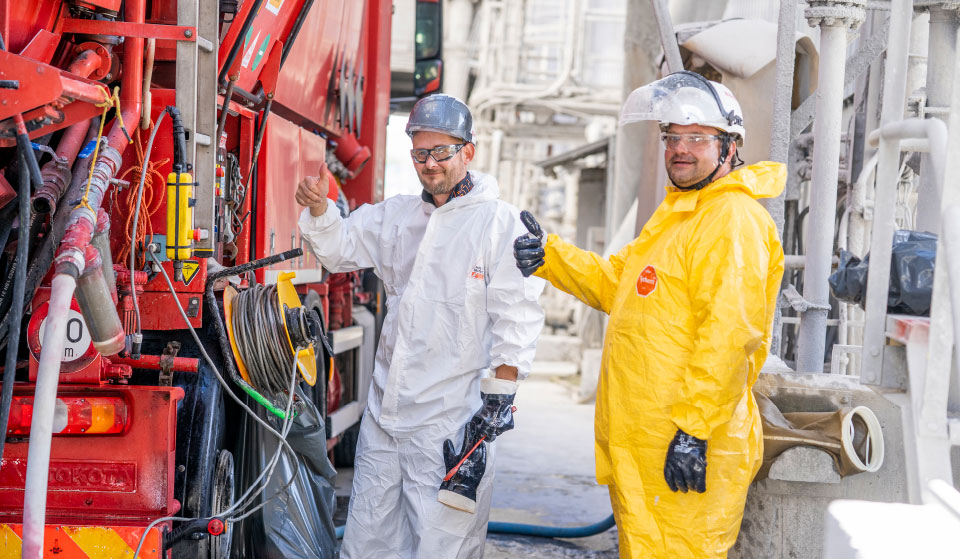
(528,248)
(460,491)
(686,464)
(496,414)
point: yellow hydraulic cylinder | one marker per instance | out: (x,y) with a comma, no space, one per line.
(179,216)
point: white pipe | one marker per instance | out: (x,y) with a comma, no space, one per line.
(823,198)
(44,403)
(951,250)
(490,97)
(857,231)
(888,175)
(934,131)
(668,38)
(941,53)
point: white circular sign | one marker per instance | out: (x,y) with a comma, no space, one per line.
(77,336)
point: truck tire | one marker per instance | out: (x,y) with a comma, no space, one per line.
(346,450)
(218,547)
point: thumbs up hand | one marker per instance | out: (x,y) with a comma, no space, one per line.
(312,192)
(528,248)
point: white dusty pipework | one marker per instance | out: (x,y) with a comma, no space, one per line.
(834,19)
(888,173)
(941,51)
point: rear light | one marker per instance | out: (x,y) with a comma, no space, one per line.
(74,415)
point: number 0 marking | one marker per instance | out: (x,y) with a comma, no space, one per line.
(70,325)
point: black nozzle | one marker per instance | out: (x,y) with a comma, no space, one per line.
(179,140)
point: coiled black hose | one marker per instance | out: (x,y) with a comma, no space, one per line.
(261,339)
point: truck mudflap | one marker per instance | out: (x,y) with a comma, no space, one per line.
(84,542)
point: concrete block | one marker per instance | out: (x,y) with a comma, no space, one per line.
(760,531)
(804,463)
(555,347)
(589,373)
(554,368)
(803,528)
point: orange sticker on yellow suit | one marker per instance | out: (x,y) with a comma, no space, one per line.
(647,282)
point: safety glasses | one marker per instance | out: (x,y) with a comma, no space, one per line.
(439,153)
(692,141)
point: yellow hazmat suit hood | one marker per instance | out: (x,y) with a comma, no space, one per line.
(691,304)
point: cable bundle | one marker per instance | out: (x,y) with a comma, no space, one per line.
(261,339)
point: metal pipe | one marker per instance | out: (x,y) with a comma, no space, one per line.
(783,93)
(41,426)
(101,241)
(131,83)
(56,173)
(935,132)
(780,131)
(86,63)
(147,108)
(932,133)
(799,261)
(888,175)
(668,38)
(180,364)
(951,250)
(942,49)
(823,190)
(97,305)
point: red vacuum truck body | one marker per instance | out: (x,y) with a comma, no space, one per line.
(157,304)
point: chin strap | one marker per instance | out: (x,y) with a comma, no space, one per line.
(724,148)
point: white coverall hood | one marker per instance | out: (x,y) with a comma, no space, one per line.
(457,307)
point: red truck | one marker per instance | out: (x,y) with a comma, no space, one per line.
(149,152)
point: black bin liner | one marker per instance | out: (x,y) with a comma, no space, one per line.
(911,274)
(298,524)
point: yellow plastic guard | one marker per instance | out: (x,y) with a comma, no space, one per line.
(228,294)
(306,358)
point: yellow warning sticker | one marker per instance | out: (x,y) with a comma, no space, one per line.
(190,269)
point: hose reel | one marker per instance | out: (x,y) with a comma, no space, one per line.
(266,326)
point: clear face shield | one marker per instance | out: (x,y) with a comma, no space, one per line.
(681,98)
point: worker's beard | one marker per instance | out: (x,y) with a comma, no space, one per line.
(440,181)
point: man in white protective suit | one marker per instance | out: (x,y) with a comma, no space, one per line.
(460,329)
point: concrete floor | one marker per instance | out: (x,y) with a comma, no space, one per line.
(545,475)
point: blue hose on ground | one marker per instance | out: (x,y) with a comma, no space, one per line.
(539,531)
(550,531)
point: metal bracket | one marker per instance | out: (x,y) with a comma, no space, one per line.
(792,298)
(130,29)
(166,363)
(193,307)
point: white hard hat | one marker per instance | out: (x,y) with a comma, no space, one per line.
(686,98)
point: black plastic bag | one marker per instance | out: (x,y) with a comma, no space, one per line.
(912,265)
(298,524)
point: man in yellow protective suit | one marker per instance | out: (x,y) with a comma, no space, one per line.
(691,305)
